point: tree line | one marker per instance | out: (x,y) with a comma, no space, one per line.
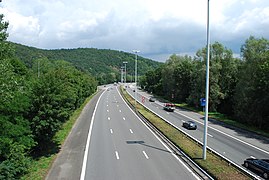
(35,102)
(238,86)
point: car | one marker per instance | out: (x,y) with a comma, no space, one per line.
(152,99)
(258,165)
(169,107)
(189,125)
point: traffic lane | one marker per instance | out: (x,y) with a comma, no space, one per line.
(147,158)
(161,162)
(121,168)
(232,149)
(101,157)
(242,135)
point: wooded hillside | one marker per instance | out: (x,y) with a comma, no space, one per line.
(104,64)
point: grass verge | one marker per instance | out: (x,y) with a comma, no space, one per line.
(40,167)
(214,165)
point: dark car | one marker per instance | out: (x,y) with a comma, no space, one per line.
(258,165)
(152,99)
(189,125)
(169,107)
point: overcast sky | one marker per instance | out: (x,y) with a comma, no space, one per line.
(158,28)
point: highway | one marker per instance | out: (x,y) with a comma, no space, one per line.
(232,143)
(120,146)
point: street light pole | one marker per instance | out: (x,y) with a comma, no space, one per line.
(136,51)
(125,62)
(121,68)
(207,85)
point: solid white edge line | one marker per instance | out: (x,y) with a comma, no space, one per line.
(160,140)
(83,171)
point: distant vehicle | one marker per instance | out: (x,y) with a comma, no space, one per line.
(169,107)
(152,99)
(134,90)
(259,165)
(189,125)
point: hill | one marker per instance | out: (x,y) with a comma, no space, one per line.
(104,64)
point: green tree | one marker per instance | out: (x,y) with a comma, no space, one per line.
(152,81)
(6,49)
(223,72)
(16,138)
(251,97)
(183,75)
(55,95)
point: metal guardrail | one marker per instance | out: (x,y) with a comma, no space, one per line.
(243,170)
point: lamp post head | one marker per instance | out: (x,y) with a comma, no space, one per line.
(136,51)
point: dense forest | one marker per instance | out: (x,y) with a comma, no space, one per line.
(238,87)
(104,64)
(34,104)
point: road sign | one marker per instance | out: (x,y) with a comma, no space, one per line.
(143,99)
(202,102)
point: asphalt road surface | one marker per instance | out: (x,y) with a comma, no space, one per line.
(120,146)
(233,143)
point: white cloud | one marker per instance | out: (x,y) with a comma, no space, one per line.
(154,26)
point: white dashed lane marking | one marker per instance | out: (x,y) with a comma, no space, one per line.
(117,155)
(145,154)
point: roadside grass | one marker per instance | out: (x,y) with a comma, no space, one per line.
(225,119)
(40,167)
(214,165)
